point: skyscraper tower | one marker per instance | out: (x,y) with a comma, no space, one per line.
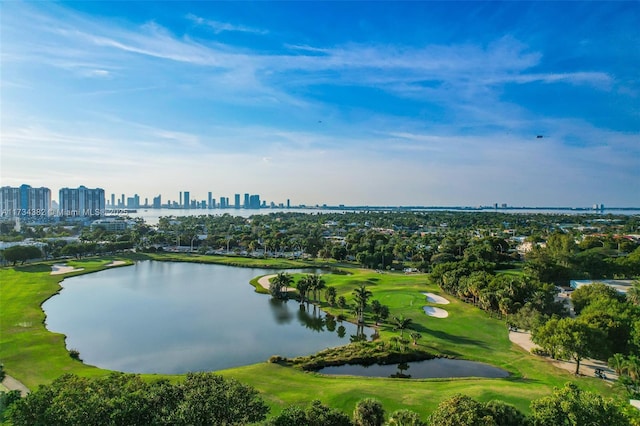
(187,203)
(237,201)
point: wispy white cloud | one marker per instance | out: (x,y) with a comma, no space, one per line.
(219,27)
(208,110)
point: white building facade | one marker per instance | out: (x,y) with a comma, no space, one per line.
(82,202)
(25,201)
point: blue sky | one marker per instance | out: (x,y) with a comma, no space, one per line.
(378,103)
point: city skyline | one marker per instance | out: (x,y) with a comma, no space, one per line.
(417,103)
(25,200)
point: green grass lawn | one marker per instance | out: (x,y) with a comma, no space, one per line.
(36,356)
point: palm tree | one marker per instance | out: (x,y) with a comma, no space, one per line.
(330,294)
(402,324)
(633,295)
(342,302)
(376,308)
(315,284)
(279,284)
(303,287)
(319,286)
(632,367)
(504,305)
(617,362)
(361,296)
(416,336)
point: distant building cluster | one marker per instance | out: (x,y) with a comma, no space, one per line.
(26,201)
(82,202)
(184,201)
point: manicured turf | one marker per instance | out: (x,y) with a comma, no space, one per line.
(35,356)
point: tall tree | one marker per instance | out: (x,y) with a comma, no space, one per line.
(577,339)
(330,294)
(402,323)
(303,285)
(617,362)
(546,337)
(361,296)
(279,285)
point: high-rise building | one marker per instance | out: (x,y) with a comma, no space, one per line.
(223,203)
(25,201)
(187,203)
(288,203)
(82,201)
(113,200)
(254,201)
(246,201)
(157,202)
(237,201)
(209,206)
(133,202)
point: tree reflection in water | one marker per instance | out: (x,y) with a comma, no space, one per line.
(280,311)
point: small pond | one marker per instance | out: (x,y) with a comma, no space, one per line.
(172,318)
(429,369)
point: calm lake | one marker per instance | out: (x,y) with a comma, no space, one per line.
(432,368)
(172,318)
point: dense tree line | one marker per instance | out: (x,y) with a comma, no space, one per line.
(210,399)
(380,240)
(125,399)
(21,254)
(562,258)
(606,327)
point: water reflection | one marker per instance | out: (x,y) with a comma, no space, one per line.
(311,317)
(280,311)
(171,318)
(402,367)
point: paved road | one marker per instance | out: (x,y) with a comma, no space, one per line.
(13,384)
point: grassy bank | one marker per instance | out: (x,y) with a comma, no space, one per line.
(248,262)
(34,355)
(28,350)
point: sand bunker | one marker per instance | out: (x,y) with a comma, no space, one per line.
(63,269)
(435,312)
(115,263)
(264,282)
(434,298)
